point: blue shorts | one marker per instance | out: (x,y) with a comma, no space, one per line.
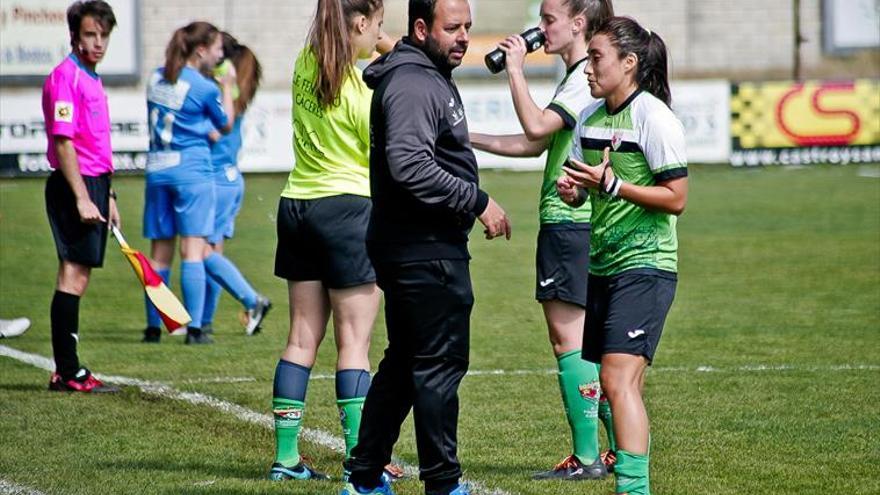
(186,210)
(228,196)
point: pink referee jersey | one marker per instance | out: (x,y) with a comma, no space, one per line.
(75,106)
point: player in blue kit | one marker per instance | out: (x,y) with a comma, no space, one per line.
(183,108)
(229,193)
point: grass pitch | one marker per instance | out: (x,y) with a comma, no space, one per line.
(766,380)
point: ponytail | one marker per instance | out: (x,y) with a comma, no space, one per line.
(652,74)
(248,74)
(596,12)
(330,41)
(248,71)
(183,43)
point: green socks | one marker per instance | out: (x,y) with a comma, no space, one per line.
(579,384)
(350,417)
(288,421)
(631,473)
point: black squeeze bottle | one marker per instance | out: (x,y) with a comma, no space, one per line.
(534,39)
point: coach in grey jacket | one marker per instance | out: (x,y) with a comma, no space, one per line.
(425,191)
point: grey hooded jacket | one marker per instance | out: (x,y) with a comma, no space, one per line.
(423,174)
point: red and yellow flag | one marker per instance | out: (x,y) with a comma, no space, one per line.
(172,312)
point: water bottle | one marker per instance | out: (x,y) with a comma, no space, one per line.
(534,38)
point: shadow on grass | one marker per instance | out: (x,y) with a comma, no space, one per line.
(40,387)
(512,470)
(197,467)
(313,487)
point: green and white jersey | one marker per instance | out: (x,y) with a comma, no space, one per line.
(647,146)
(572,95)
(331,145)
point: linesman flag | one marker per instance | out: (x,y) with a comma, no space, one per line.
(173,313)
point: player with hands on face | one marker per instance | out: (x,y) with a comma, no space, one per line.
(241,67)
(184,106)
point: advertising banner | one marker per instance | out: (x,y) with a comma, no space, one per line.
(266,133)
(703,108)
(34,38)
(799,123)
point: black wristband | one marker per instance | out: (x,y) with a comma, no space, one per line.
(113,194)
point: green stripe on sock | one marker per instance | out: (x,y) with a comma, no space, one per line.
(631,473)
(579,386)
(288,416)
(350,418)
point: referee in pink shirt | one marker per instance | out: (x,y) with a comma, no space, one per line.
(79,200)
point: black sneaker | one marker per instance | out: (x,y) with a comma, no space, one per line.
(571,468)
(152,335)
(256,315)
(195,336)
(207,328)
(302,471)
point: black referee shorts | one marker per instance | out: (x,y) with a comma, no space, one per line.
(324,239)
(76,241)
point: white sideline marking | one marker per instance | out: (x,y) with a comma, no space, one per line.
(312,435)
(499,372)
(10,488)
(216,379)
(869,172)
(752,368)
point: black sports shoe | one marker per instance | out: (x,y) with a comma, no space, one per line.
(195,336)
(152,335)
(207,328)
(256,315)
(571,468)
(302,471)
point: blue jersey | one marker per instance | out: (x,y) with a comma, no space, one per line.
(225,151)
(181,116)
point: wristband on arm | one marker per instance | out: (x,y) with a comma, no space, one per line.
(613,187)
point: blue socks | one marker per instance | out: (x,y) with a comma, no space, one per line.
(153,318)
(352,384)
(192,279)
(227,275)
(291,381)
(202,284)
(212,298)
